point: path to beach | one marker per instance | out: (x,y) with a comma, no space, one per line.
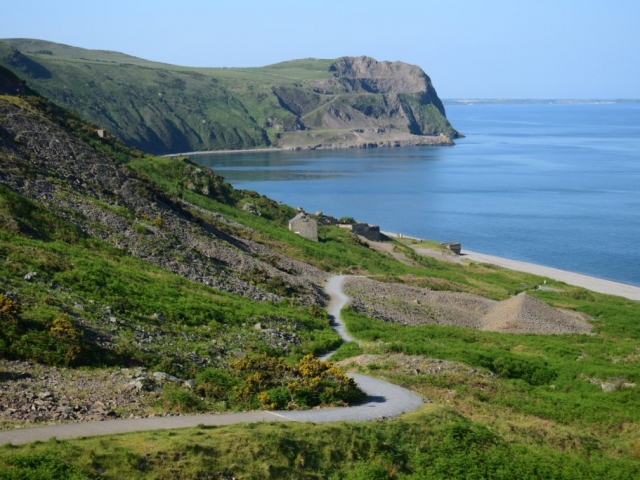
(591,283)
(384,400)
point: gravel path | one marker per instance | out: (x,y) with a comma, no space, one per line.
(384,400)
(338,300)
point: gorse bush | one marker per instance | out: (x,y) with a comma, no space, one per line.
(263,381)
(57,343)
(67,338)
(9,310)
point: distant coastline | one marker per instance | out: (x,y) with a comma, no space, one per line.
(537,101)
(380,141)
(225,152)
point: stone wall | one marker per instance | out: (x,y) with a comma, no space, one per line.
(370,232)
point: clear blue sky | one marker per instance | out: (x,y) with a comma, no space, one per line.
(470,48)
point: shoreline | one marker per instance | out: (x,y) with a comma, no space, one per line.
(595,284)
(226,152)
(363,143)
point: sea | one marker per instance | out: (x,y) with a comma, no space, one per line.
(551,184)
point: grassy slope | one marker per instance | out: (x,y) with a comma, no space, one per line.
(86,278)
(434,443)
(541,417)
(558,426)
(166,108)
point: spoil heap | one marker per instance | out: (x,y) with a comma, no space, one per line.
(526,314)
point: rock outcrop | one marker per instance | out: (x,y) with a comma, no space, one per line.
(368,104)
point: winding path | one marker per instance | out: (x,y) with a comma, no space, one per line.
(384,400)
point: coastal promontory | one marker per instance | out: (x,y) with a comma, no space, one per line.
(299,104)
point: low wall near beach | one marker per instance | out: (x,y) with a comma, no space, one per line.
(370,232)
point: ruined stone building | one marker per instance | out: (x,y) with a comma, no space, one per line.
(305,226)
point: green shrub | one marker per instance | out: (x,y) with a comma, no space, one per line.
(215,383)
(263,381)
(532,370)
(180,400)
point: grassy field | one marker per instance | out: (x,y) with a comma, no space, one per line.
(435,442)
(542,413)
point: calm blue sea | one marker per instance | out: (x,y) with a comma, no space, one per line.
(556,185)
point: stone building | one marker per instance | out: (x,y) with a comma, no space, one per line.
(305,226)
(370,232)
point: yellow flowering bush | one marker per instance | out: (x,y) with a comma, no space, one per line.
(261,381)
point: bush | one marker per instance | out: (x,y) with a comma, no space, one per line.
(532,370)
(215,383)
(180,400)
(9,310)
(263,381)
(67,339)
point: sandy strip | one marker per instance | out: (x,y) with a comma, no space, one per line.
(591,283)
(579,280)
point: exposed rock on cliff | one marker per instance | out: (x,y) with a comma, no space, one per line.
(368,104)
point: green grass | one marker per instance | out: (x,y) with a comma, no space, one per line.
(432,443)
(541,416)
(545,382)
(76,269)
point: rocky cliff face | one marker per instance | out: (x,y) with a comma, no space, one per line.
(368,104)
(365,73)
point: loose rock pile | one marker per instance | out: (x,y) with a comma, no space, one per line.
(37,394)
(392,302)
(526,314)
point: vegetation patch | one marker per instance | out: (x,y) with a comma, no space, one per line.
(271,383)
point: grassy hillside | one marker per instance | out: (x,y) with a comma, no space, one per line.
(115,261)
(164,108)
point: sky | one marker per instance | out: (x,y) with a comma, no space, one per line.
(583,49)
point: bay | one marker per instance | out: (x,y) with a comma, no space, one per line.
(555,185)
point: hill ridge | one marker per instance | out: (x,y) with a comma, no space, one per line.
(165,109)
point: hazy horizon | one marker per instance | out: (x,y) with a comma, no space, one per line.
(492,49)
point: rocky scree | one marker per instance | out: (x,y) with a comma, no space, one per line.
(41,161)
